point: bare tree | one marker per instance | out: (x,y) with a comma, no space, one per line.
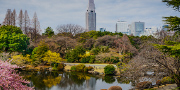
(7,19)
(26,23)
(21,18)
(35,29)
(71,28)
(13,18)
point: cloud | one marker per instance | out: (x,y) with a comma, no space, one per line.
(56,12)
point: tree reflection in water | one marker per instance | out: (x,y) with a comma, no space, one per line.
(67,80)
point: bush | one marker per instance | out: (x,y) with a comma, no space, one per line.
(80,67)
(115,88)
(144,85)
(85,59)
(73,68)
(167,80)
(60,66)
(92,59)
(86,69)
(90,68)
(109,69)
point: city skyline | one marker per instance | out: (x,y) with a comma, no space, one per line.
(58,12)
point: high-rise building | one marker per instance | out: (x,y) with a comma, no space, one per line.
(137,28)
(91,16)
(122,26)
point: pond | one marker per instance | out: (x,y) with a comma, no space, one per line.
(72,81)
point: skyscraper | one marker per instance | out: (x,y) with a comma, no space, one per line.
(137,28)
(91,16)
(122,26)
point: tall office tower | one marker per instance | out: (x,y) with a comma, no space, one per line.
(122,26)
(137,28)
(91,16)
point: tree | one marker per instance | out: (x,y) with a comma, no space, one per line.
(35,30)
(21,18)
(52,57)
(72,28)
(39,52)
(10,18)
(26,22)
(49,32)
(12,39)
(172,51)
(9,79)
(173,21)
(13,18)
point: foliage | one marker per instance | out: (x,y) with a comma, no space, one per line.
(83,37)
(173,51)
(9,79)
(121,66)
(73,68)
(21,60)
(109,69)
(60,66)
(173,22)
(174,3)
(52,57)
(75,54)
(12,39)
(167,80)
(80,67)
(86,69)
(39,52)
(49,32)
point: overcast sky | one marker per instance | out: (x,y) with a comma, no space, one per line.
(57,12)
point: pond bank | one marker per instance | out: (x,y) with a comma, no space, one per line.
(167,87)
(97,67)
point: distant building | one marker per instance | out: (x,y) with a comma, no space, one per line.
(137,28)
(165,27)
(122,26)
(91,16)
(102,29)
(149,31)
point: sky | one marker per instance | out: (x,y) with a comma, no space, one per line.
(52,13)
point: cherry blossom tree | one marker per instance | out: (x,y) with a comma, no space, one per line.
(9,79)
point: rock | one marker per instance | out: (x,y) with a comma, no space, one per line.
(115,88)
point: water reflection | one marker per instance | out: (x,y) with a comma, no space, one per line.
(72,81)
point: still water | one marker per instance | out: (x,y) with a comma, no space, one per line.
(72,81)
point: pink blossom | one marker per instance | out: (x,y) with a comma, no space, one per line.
(9,79)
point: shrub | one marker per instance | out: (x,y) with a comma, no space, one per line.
(85,59)
(80,67)
(92,59)
(86,69)
(73,68)
(90,68)
(115,88)
(167,80)
(144,85)
(60,67)
(109,69)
